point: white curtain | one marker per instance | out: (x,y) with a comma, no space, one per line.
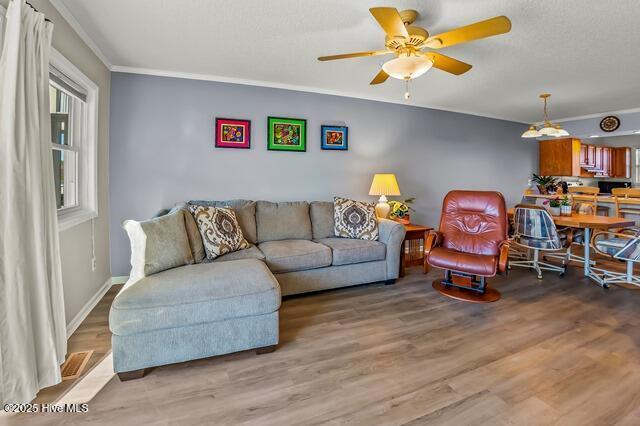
(32,324)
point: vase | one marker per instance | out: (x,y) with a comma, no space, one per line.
(404,220)
(542,189)
(565,210)
(555,211)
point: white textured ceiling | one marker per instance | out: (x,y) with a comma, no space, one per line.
(585,52)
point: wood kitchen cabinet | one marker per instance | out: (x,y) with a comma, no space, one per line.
(569,157)
(587,155)
(560,157)
(621,162)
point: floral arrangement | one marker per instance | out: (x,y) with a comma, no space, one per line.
(400,209)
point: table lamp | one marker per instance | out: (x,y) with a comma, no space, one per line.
(383,185)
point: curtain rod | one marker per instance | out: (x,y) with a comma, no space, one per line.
(36,10)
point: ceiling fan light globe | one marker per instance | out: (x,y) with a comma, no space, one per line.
(407,67)
(560,132)
(532,132)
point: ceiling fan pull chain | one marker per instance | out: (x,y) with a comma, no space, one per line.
(407,95)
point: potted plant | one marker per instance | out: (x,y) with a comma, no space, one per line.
(545,183)
(565,206)
(554,207)
(400,211)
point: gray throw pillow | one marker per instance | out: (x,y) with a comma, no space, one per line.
(193,234)
(158,244)
(322,222)
(283,221)
(219,230)
(355,219)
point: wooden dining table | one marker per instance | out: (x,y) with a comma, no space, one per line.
(589,222)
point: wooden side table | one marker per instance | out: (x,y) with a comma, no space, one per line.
(413,246)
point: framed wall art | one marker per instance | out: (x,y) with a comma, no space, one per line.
(334,138)
(286,134)
(233,133)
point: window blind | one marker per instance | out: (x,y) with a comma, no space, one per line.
(65,83)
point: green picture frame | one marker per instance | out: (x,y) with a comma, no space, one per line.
(286,134)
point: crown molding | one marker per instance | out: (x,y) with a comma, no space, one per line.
(285,86)
(73,23)
(597,115)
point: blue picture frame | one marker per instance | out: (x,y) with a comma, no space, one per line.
(334,138)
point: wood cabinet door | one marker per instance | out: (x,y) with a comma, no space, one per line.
(584,155)
(597,164)
(621,162)
(606,161)
(591,155)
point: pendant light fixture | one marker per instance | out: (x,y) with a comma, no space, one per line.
(547,128)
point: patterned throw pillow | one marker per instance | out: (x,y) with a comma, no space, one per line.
(219,230)
(355,219)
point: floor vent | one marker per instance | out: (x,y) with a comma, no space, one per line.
(75,364)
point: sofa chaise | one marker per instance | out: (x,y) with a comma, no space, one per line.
(231,304)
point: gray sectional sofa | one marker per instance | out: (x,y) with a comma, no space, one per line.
(231,303)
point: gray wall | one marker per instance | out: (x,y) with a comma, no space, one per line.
(80,282)
(162,150)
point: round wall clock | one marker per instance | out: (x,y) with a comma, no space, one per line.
(610,123)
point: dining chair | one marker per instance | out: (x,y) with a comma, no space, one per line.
(588,204)
(620,195)
(535,231)
(623,245)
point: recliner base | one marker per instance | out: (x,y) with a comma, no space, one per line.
(465,287)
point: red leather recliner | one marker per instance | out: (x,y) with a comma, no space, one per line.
(472,242)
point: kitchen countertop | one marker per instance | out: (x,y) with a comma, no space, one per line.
(605,198)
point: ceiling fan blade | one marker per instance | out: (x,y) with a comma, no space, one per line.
(381,77)
(482,29)
(390,21)
(447,63)
(354,55)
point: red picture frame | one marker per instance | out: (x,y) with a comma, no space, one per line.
(233,133)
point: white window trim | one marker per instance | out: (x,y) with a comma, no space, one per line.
(87,208)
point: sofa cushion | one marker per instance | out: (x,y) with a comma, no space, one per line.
(193,233)
(245,213)
(355,219)
(283,221)
(322,225)
(219,229)
(346,251)
(477,264)
(195,294)
(295,255)
(252,252)
(158,244)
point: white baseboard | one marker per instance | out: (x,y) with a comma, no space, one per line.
(86,309)
(119,280)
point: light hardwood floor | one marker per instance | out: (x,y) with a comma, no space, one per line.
(556,351)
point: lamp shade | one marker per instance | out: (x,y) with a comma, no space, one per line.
(384,184)
(548,130)
(531,133)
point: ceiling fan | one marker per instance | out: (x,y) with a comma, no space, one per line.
(407,41)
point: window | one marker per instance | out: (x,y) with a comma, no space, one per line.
(64,110)
(73,108)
